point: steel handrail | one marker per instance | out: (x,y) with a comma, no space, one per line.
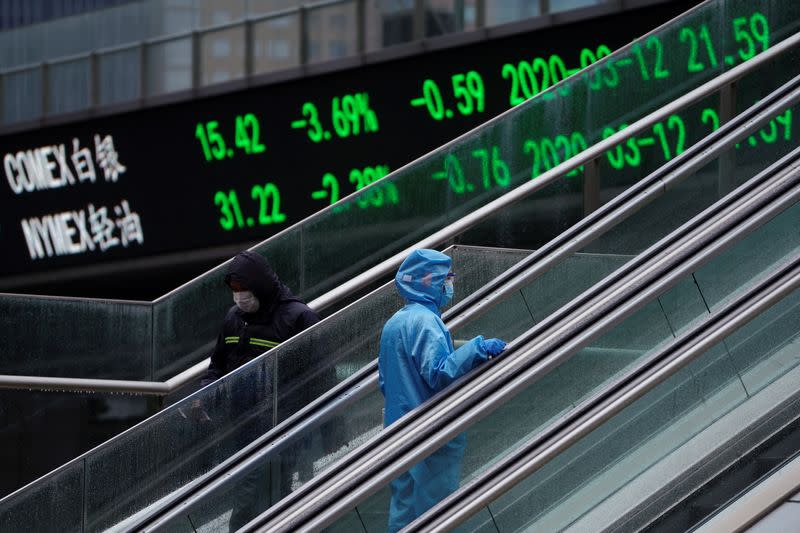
(564,245)
(757,502)
(386,267)
(559,436)
(365,470)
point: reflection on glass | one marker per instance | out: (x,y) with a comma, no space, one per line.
(169,67)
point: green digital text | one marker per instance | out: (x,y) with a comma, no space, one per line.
(359,178)
(350,115)
(492,171)
(247,138)
(468,94)
(263,208)
(529,78)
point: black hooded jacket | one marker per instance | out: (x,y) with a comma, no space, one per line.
(245,336)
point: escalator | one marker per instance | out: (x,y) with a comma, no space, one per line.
(716,408)
(128,475)
(521,308)
(528,401)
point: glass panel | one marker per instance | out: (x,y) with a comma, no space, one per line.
(170,17)
(215,12)
(169,66)
(774,243)
(58,497)
(262,7)
(22,96)
(70,36)
(331,32)
(276,44)
(448,16)
(503,11)
(653,428)
(222,55)
(22,46)
(186,440)
(119,76)
(119,25)
(177,343)
(68,86)
(30,422)
(72,337)
(565,5)
(389,22)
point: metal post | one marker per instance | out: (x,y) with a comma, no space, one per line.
(591,186)
(480,13)
(418,32)
(727,161)
(94,81)
(143,70)
(458,7)
(361,26)
(544,7)
(727,102)
(302,41)
(249,49)
(45,81)
(197,71)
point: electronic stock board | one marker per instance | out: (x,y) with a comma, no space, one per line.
(241,166)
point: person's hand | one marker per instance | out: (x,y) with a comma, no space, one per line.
(494,347)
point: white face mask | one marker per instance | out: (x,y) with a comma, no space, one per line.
(246,301)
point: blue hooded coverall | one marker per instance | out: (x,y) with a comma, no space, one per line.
(416,361)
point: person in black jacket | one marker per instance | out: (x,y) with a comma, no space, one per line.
(264,315)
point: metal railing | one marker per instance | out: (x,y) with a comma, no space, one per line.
(146,60)
(724,82)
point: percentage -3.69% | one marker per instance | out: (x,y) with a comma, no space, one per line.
(350,115)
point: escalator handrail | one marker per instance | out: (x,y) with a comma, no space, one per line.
(696,156)
(317,502)
(632,264)
(757,502)
(366,380)
(588,416)
(389,265)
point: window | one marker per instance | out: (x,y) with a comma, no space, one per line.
(278,48)
(337,49)
(221,48)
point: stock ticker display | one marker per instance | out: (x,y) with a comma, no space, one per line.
(242,166)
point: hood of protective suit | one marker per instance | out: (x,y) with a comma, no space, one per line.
(420,278)
(253,271)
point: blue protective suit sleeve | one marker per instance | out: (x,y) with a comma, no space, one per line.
(438,365)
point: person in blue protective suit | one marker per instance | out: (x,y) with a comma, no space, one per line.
(417,359)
